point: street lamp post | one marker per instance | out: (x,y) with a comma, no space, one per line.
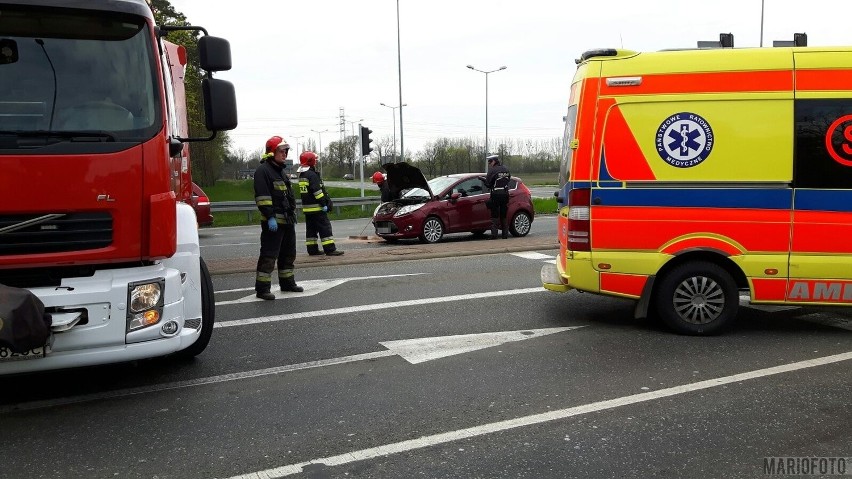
(399,65)
(297,147)
(393,112)
(320,144)
(486,105)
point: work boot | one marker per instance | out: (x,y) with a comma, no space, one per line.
(291,286)
(315,253)
(265,295)
(492,237)
(336,252)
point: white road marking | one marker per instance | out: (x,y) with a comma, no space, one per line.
(373,307)
(420,350)
(312,287)
(484,429)
(414,351)
(226,244)
(532,255)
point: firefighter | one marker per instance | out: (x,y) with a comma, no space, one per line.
(274,196)
(315,205)
(380,181)
(497,180)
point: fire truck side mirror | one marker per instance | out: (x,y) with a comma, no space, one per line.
(220,104)
(214,54)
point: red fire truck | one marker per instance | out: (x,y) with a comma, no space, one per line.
(94,178)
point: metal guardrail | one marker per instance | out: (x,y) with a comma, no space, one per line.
(250,207)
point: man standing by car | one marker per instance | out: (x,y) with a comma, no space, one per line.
(274,197)
(497,180)
(315,205)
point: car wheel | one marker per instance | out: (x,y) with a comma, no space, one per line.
(208,316)
(697,298)
(433,230)
(521,224)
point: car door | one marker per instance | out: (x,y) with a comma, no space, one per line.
(821,251)
(468,212)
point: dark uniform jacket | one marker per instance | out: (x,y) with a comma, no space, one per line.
(498,179)
(313,193)
(273,193)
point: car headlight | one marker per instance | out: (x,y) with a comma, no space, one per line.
(377,209)
(407,209)
(144,304)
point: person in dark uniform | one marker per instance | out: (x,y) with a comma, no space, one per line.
(497,180)
(273,194)
(315,205)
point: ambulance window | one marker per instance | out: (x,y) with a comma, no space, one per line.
(823,144)
(567,152)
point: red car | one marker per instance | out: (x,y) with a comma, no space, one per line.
(446,204)
(201,204)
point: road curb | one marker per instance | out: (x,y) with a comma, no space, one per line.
(393,253)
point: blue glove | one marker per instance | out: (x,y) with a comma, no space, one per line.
(273,225)
(325,209)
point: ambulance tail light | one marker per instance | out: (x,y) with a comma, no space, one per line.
(579,226)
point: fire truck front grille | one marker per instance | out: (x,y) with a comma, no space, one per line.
(54,233)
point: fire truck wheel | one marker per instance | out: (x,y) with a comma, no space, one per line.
(698,298)
(433,230)
(208,315)
(521,224)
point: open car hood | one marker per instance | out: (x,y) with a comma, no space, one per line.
(402,176)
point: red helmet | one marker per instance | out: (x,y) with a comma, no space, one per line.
(378,177)
(275,142)
(308,158)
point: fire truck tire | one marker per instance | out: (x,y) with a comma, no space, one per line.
(433,230)
(698,298)
(520,224)
(208,315)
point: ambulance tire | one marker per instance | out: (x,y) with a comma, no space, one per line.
(433,230)
(698,299)
(208,316)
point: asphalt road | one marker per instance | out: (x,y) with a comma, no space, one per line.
(446,368)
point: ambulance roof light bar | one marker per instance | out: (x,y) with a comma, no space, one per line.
(799,40)
(726,40)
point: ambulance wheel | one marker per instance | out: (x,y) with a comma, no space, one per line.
(697,298)
(208,315)
(433,230)
(521,224)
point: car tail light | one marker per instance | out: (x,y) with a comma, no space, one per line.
(203,201)
(579,226)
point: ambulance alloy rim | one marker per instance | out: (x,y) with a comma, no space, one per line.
(699,300)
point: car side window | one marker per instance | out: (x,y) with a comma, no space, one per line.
(470,187)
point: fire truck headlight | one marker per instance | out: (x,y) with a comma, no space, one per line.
(145,304)
(144,296)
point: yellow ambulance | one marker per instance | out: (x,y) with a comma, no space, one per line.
(691,177)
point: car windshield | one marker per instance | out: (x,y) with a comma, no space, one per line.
(66,74)
(437,185)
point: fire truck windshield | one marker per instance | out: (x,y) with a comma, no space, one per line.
(64,73)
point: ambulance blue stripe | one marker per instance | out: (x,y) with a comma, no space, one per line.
(773,198)
(824,200)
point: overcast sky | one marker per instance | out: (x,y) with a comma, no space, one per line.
(297,63)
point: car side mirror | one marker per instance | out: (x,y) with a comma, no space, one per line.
(454,197)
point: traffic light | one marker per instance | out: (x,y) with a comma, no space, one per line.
(365,141)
